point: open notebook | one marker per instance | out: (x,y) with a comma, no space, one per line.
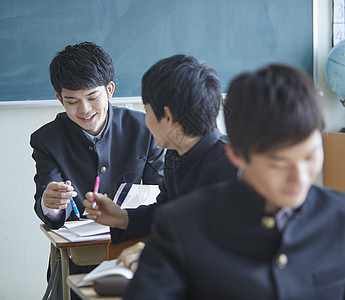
(106,268)
(128,195)
(83,230)
(86,228)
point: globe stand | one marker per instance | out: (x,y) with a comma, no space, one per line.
(342,101)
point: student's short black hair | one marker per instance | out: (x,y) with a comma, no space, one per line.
(274,107)
(189,88)
(81,66)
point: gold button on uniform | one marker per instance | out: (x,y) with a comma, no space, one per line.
(103,170)
(90,148)
(282,261)
(268,222)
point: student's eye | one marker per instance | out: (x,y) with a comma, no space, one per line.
(310,158)
(72,102)
(279,166)
(94,98)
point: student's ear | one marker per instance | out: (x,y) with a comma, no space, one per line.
(57,95)
(168,116)
(110,89)
(235,159)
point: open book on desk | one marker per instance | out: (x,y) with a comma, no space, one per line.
(106,268)
(83,230)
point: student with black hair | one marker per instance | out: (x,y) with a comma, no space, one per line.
(91,138)
(182,97)
(270,234)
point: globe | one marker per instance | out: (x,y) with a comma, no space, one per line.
(335,70)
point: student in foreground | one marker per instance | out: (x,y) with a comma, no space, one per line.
(182,97)
(271,234)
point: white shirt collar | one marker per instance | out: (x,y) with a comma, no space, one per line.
(283,216)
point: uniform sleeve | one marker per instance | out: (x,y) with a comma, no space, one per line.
(161,273)
(138,226)
(46,171)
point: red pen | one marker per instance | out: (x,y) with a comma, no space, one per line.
(95,190)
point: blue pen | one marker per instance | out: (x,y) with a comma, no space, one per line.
(74,206)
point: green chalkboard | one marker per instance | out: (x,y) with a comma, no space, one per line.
(230,35)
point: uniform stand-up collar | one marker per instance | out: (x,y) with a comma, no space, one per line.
(197,151)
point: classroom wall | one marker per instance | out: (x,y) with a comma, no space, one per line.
(24,249)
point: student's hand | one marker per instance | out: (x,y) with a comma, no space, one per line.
(130,256)
(56,195)
(106,211)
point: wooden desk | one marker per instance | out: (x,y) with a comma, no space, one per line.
(81,253)
(86,292)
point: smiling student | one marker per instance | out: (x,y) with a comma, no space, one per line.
(270,234)
(91,138)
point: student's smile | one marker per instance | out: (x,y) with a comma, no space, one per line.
(88,119)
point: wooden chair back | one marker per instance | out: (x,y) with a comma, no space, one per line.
(334,163)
